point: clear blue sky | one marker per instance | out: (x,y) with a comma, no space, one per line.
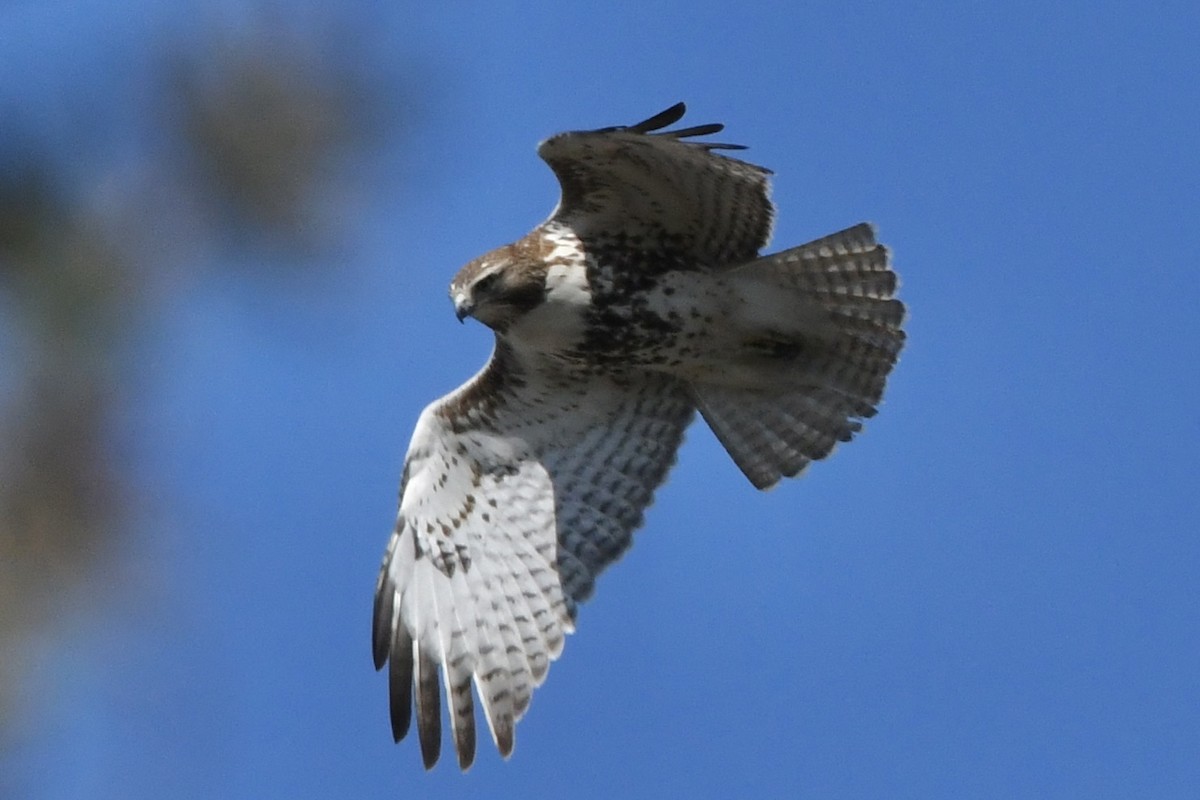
(993,593)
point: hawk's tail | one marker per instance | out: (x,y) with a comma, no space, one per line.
(774,430)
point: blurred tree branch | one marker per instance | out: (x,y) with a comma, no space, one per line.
(59,496)
(250,134)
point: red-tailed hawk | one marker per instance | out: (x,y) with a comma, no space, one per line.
(639,301)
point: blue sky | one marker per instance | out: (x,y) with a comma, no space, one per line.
(992,593)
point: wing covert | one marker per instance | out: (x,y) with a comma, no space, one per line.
(519,489)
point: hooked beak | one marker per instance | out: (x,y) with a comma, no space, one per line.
(462,306)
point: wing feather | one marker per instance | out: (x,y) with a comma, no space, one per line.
(429,711)
(635,186)
(660,120)
(525,600)
(771,435)
(459,660)
(851,275)
(542,588)
(508,606)
(774,434)
(400,682)
(521,487)
(383,619)
(493,676)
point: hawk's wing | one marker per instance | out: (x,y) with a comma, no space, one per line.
(519,488)
(652,191)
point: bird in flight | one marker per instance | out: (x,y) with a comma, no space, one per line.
(641,300)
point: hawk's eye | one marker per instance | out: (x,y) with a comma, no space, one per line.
(487,282)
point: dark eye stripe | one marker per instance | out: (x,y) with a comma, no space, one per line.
(524,297)
(487,281)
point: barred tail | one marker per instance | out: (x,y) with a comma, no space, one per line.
(774,430)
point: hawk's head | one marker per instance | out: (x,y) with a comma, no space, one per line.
(501,286)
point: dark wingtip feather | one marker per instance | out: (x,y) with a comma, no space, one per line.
(464,746)
(429,711)
(673,115)
(695,130)
(400,686)
(430,755)
(462,715)
(504,737)
(669,117)
(381,622)
(660,120)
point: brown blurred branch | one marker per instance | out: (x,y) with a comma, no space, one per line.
(245,144)
(59,497)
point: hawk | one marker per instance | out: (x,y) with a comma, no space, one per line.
(641,300)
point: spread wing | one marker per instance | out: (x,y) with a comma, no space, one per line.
(519,489)
(646,190)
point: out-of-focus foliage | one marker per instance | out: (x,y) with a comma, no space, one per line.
(243,142)
(66,283)
(261,135)
(261,132)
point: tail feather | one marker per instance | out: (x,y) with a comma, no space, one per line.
(774,430)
